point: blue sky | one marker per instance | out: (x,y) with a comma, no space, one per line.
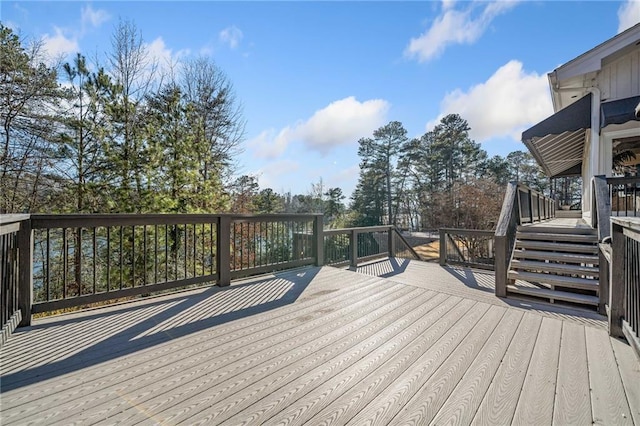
(314,77)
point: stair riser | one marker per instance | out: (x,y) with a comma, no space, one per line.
(564,248)
(558,257)
(560,238)
(550,295)
(556,280)
(558,271)
(556,230)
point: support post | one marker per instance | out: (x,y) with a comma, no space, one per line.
(25,272)
(318,239)
(443,247)
(616,283)
(223,254)
(353,248)
(391,244)
(502,259)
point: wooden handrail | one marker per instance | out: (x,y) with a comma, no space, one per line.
(505,237)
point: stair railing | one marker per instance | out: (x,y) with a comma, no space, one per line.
(521,205)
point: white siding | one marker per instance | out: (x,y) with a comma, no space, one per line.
(621,78)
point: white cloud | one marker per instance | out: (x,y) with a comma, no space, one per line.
(341,122)
(93,18)
(59,46)
(628,15)
(163,57)
(456,26)
(270,176)
(231,36)
(505,105)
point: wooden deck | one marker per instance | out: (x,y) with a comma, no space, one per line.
(400,342)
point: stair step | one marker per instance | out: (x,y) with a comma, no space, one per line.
(557,257)
(570,214)
(558,247)
(557,230)
(547,236)
(551,279)
(558,268)
(554,295)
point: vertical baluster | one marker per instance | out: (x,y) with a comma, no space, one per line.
(186,238)
(93,253)
(155,253)
(108,258)
(121,255)
(203,249)
(133,256)
(48,267)
(166,252)
(144,254)
(195,241)
(65,262)
(211,246)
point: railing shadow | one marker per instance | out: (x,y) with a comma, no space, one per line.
(70,343)
(385,268)
(473,278)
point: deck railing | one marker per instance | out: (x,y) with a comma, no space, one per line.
(55,262)
(351,246)
(620,280)
(10,258)
(624,193)
(467,247)
(68,261)
(520,205)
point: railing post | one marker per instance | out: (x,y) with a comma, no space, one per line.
(443,247)
(25,274)
(391,244)
(353,247)
(502,255)
(223,247)
(318,235)
(603,280)
(616,283)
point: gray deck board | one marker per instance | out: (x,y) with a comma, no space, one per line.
(410,342)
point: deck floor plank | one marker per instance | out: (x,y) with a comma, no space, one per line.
(573,398)
(171,403)
(353,401)
(608,399)
(317,398)
(219,361)
(461,406)
(428,400)
(535,403)
(409,342)
(499,403)
(629,370)
(316,379)
(384,408)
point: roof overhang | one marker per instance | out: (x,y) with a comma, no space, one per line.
(557,143)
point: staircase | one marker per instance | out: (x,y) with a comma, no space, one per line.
(555,264)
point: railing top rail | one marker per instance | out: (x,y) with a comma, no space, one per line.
(6,219)
(381,228)
(623,179)
(483,232)
(508,205)
(632,223)
(44,221)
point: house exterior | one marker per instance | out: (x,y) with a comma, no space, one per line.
(596,101)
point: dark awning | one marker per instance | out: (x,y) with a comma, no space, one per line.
(619,111)
(575,116)
(557,143)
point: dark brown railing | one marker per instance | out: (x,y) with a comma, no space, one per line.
(351,246)
(620,279)
(78,260)
(624,193)
(10,257)
(468,247)
(521,205)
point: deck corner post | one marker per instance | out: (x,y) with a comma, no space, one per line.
(391,244)
(443,247)
(318,239)
(353,249)
(616,283)
(25,274)
(223,258)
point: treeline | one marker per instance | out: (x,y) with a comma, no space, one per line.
(441,179)
(123,135)
(118,136)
